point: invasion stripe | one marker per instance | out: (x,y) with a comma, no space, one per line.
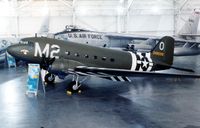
(113,79)
(134,60)
(117,79)
(120,78)
(126,78)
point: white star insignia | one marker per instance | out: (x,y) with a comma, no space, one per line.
(144,63)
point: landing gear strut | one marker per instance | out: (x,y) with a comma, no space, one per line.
(74,86)
(49,78)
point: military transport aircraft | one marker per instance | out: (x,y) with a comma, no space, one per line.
(64,57)
(185,41)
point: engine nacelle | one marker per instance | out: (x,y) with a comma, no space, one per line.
(139,47)
(62,66)
(180,51)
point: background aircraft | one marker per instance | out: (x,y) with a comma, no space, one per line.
(62,58)
(185,40)
(5,42)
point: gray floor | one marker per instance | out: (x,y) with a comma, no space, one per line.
(145,103)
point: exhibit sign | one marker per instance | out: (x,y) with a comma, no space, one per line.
(33,78)
(10,60)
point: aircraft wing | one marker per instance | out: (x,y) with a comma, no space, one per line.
(146,37)
(191,49)
(194,35)
(122,75)
(130,36)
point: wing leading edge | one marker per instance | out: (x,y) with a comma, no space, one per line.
(122,75)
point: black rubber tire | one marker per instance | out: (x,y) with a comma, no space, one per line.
(49,80)
(70,87)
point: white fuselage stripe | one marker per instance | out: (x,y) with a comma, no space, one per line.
(134,61)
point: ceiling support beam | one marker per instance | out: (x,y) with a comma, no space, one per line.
(183,5)
(74,12)
(175,17)
(24,5)
(127,13)
(129,5)
(66,3)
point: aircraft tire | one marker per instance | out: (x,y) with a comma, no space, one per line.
(71,88)
(49,78)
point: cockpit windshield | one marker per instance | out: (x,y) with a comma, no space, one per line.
(71,28)
(27,43)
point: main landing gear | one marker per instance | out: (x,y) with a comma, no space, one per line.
(74,85)
(49,78)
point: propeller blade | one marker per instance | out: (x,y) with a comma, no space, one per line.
(51,60)
(46,62)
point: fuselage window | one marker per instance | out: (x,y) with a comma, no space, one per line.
(104,45)
(86,56)
(103,58)
(95,57)
(112,60)
(76,54)
(67,53)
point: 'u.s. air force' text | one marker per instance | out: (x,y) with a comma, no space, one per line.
(83,35)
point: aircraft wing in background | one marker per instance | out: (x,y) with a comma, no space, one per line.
(194,35)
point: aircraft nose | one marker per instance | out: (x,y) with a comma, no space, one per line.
(12,50)
(18,50)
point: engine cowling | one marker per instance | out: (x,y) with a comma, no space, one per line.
(63,66)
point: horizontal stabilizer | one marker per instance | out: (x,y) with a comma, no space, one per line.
(177,68)
(183,69)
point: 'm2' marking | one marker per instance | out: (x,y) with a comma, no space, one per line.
(49,51)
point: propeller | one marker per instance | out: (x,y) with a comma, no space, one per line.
(46,62)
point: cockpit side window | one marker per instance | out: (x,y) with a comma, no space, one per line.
(31,44)
(112,60)
(67,52)
(103,58)
(95,57)
(86,56)
(76,54)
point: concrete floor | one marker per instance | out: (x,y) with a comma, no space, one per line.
(145,103)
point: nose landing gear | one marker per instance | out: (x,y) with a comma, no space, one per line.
(49,78)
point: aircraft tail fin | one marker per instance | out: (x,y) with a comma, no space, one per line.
(162,55)
(191,25)
(44,28)
(163,52)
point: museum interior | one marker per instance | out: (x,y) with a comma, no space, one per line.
(99,63)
